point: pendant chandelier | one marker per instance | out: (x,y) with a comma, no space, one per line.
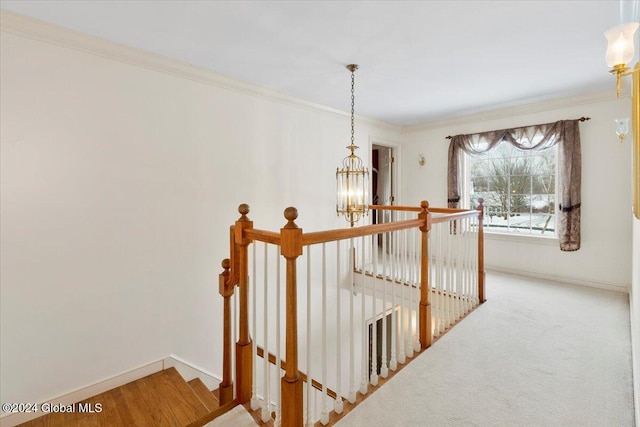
(353,178)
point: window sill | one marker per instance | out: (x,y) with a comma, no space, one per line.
(522,238)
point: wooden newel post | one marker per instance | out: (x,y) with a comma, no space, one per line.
(226,290)
(425,286)
(291,383)
(244,361)
(481,273)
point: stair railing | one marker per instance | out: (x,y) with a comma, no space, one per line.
(376,279)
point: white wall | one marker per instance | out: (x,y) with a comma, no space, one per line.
(119,184)
(635,316)
(604,258)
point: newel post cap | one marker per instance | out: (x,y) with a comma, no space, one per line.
(243,210)
(291,214)
(291,235)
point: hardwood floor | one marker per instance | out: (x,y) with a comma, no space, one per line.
(158,400)
(208,399)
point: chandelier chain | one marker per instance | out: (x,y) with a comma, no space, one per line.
(353,178)
(352,105)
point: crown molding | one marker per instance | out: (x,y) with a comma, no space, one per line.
(35,29)
(530,108)
(31,28)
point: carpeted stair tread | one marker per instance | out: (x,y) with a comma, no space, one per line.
(205,395)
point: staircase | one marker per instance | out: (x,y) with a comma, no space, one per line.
(160,399)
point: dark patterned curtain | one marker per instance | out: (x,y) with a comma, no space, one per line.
(566,133)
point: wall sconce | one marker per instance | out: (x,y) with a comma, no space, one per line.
(620,52)
(622,128)
(421,160)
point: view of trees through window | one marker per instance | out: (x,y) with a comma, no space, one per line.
(518,188)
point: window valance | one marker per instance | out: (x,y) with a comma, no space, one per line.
(565,133)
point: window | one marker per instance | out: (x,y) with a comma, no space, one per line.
(518,188)
(522,211)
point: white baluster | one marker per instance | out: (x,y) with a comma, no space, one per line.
(417,247)
(465,239)
(449,280)
(337,404)
(412,283)
(234,332)
(468,264)
(310,398)
(352,373)
(324,414)
(364,382)
(402,264)
(408,283)
(476,264)
(278,420)
(431,275)
(266,410)
(384,369)
(458,281)
(393,362)
(374,329)
(440,278)
(452,252)
(255,404)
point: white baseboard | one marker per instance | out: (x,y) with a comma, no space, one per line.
(617,287)
(188,371)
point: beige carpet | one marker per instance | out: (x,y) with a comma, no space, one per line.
(535,354)
(237,417)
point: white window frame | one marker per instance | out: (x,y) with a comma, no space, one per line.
(550,238)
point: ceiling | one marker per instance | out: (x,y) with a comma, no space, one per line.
(420,61)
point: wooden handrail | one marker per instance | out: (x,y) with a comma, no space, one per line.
(455,216)
(264,236)
(414,209)
(325,236)
(366,230)
(447,210)
(396,208)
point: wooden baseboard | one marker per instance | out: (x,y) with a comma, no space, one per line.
(188,371)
